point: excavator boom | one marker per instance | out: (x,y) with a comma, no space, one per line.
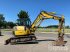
(45,15)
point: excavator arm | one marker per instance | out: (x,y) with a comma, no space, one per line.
(45,15)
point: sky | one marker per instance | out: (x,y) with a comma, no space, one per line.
(10,9)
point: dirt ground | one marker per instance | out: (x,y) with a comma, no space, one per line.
(45,43)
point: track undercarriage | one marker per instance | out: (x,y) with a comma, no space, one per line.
(23,40)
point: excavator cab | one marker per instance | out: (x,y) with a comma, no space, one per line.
(22,27)
(20,30)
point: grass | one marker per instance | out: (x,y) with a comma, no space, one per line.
(43,30)
(51,30)
(6,29)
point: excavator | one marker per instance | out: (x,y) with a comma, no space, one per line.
(23,34)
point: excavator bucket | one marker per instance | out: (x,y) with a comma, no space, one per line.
(59,42)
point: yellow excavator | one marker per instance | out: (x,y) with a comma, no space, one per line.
(23,34)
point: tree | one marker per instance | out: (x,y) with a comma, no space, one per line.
(1,20)
(52,26)
(23,18)
(23,14)
(67,27)
(11,24)
(2,17)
